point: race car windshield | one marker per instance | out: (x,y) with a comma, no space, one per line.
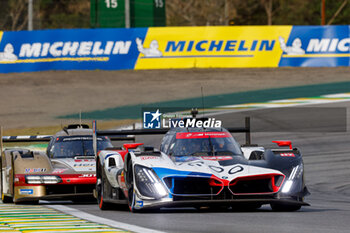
(204,144)
(69,147)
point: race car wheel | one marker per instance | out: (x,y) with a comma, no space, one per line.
(131,190)
(131,199)
(6,199)
(285,207)
(100,188)
(33,202)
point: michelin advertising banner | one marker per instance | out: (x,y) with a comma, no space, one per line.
(174,47)
(69,49)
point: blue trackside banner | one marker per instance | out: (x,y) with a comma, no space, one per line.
(316,46)
(175,47)
(69,49)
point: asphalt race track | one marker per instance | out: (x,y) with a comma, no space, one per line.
(327,171)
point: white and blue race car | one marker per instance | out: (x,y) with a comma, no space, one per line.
(200,167)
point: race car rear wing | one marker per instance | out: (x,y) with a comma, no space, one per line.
(47,138)
(26,138)
(245,129)
(23,138)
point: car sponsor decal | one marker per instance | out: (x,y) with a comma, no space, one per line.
(81,166)
(84,165)
(217,158)
(32,170)
(76,138)
(148,157)
(139,204)
(59,170)
(185,159)
(202,135)
(83,160)
(26,191)
(87,175)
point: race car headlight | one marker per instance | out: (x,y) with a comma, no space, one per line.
(296,173)
(43,179)
(148,183)
(287,186)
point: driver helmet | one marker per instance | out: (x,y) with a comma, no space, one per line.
(195,147)
(220,143)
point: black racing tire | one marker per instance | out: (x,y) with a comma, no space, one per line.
(6,199)
(284,207)
(131,199)
(100,188)
(131,189)
(33,202)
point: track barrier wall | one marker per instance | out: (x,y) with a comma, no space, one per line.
(175,47)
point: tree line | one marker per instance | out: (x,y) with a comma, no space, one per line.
(50,14)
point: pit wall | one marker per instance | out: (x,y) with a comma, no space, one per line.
(175,47)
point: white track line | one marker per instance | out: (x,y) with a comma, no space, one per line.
(97,219)
(232,109)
